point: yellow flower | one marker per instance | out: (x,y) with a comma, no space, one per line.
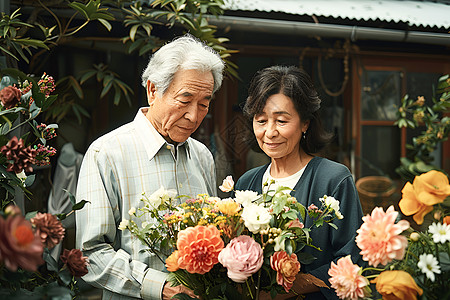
(397,285)
(228,207)
(426,190)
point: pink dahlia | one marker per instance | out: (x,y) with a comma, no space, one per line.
(19,246)
(379,237)
(242,257)
(347,280)
(287,267)
(199,248)
(49,229)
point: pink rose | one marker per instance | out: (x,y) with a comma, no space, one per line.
(227,184)
(242,257)
(10,96)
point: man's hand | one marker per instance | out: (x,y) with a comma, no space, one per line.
(170,291)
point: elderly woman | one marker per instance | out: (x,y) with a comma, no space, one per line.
(284,109)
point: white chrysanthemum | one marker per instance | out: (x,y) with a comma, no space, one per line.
(333,204)
(160,196)
(246,197)
(256,217)
(440,232)
(124,224)
(429,265)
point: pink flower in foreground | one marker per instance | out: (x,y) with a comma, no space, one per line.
(49,229)
(19,246)
(198,248)
(242,257)
(287,268)
(75,262)
(347,280)
(379,237)
(227,184)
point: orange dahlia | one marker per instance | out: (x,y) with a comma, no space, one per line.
(199,248)
(287,267)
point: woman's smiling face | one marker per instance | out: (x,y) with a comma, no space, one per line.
(278,129)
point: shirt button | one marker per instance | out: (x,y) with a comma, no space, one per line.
(168,147)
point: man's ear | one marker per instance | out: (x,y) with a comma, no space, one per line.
(151,93)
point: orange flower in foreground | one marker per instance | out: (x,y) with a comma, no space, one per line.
(287,268)
(199,248)
(172,262)
(397,285)
(426,190)
(446,220)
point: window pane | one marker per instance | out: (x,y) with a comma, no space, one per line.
(380,150)
(381,94)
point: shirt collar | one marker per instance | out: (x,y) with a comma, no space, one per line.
(153,141)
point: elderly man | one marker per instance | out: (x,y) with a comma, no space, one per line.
(154,150)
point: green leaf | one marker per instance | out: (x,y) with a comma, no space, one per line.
(80,205)
(30,180)
(105,23)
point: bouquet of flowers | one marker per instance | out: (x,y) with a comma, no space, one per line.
(231,248)
(402,267)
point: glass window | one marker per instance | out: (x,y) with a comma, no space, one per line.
(381,94)
(380,150)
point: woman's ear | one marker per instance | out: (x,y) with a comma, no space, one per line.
(305,126)
(151,92)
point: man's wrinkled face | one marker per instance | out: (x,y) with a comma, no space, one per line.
(178,112)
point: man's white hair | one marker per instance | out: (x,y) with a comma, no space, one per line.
(183,53)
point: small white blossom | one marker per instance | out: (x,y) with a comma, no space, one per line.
(160,196)
(256,217)
(144,224)
(124,224)
(132,211)
(246,197)
(428,264)
(440,232)
(333,204)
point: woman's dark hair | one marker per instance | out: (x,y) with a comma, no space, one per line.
(296,84)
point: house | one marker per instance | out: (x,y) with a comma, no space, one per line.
(363,56)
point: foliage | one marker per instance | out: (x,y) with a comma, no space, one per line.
(416,113)
(267,229)
(68,21)
(33,99)
(26,267)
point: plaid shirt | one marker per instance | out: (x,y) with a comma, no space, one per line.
(117,168)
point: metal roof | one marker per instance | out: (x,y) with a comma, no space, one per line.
(414,13)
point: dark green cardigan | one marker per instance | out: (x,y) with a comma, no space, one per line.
(322,177)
